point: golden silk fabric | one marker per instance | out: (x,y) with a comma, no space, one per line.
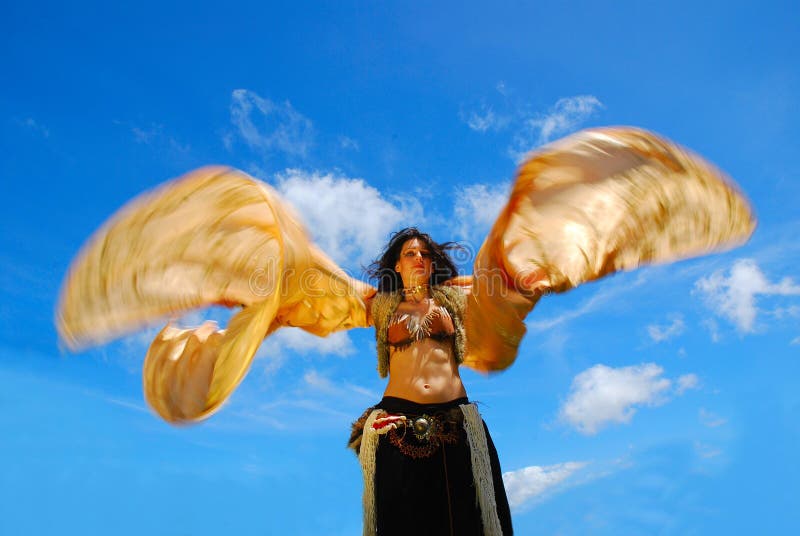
(591,204)
(587,206)
(214,236)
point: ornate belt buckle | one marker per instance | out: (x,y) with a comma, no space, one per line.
(423,427)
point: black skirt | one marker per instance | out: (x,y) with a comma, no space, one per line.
(431,493)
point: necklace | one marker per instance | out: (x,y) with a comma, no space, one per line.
(416,293)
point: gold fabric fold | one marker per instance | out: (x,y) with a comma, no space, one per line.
(214,236)
(586,206)
(583,207)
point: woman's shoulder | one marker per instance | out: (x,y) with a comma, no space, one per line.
(451,296)
(383,304)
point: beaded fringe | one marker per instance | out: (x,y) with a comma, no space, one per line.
(366,456)
(481,470)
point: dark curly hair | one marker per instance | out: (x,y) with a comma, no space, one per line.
(389,280)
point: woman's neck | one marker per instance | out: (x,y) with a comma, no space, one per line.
(416,293)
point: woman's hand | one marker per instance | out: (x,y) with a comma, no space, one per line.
(382,425)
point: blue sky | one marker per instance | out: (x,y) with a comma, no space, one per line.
(370,117)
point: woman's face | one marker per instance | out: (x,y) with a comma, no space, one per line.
(414,263)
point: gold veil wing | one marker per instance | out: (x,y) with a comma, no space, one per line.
(213,236)
(586,206)
(583,207)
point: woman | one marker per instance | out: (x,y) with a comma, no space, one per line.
(423,465)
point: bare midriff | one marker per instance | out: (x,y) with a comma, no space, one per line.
(425,372)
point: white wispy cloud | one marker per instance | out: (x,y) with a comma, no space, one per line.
(565,116)
(793,311)
(706,451)
(156,136)
(686,382)
(349,219)
(529,129)
(268,126)
(733,296)
(602,394)
(713,329)
(276,349)
(117,401)
(795,341)
(586,307)
(710,419)
(661,333)
(609,292)
(529,483)
(316,399)
(477,207)
(146,135)
(302,342)
(319,383)
(289,413)
(485,119)
(34,126)
(346,142)
(501,88)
